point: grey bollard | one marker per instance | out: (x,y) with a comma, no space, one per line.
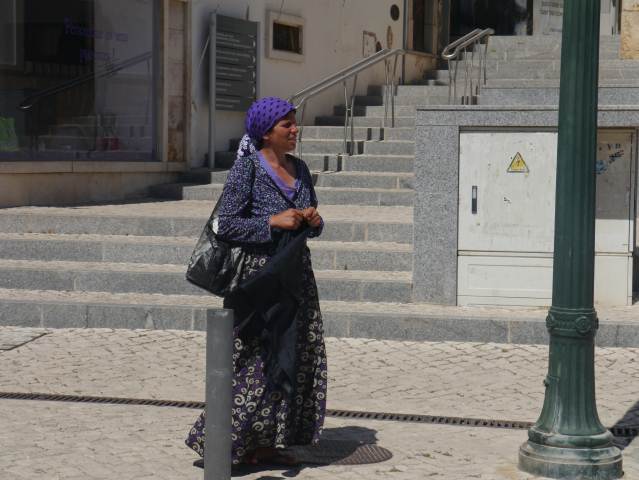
(219,371)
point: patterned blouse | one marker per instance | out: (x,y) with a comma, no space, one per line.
(250,197)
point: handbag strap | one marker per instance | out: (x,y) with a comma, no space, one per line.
(252,159)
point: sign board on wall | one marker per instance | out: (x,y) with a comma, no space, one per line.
(236,63)
(548,17)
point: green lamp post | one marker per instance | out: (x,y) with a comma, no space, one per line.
(569,441)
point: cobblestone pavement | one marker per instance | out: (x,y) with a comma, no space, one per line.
(49,440)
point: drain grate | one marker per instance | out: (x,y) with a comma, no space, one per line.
(617,431)
(438,420)
(49,397)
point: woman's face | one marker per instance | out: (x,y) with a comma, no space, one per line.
(283,136)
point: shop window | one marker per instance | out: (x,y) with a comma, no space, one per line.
(77,80)
(286,37)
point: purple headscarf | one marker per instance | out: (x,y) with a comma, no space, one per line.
(260,118)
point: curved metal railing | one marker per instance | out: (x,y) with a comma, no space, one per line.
(388,56)
(451,55)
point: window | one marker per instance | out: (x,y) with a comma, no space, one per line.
(77,80)
(285,37)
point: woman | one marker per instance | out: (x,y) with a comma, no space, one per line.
(267,194)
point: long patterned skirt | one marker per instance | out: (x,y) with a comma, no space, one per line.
(264,415)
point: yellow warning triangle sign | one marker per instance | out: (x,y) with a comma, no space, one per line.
(518,165)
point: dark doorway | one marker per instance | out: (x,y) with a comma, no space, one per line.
(424,20)
(506,17)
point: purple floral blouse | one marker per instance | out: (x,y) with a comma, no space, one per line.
(250,197)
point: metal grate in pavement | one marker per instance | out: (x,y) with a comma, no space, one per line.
(52,397)
(617,431)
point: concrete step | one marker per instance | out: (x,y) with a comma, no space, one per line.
(549,83)
(330,146)
(379,163)
(374,147)
(360,163)
(205,175)
(389,147)
(496,65)
(415,100)
(378,111)
(377,256)
(328,179)
(325,195)
(186,218)
(312,132)
(399,134)
(361,133)
(517,72)
(369,100)
(372,121)
(550,96)
(411,322)
(550,49)
(365,180)
(348,285)
(426,90)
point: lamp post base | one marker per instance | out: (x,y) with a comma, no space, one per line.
(571,463)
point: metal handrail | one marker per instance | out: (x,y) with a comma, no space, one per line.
(30,101)
(452,51)
(342,76)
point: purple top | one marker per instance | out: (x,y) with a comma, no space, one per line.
(251,196)
(286,189)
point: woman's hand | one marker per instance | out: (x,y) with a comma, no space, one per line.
(290,219)
(312,217)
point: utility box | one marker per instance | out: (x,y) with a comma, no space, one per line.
(506,217)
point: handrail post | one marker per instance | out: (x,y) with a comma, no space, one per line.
(470,75)
(301,130)
(481,67)
(392,93)
(352,146)
(386,86)
(486,58)
(473,39)
(346,114)
(219,393)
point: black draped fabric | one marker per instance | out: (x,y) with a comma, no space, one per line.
(269,302)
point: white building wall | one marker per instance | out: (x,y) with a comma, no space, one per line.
(335,33)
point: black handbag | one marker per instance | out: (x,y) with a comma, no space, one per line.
(215,265)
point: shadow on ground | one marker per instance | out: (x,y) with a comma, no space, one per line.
(338,446)
(626,428)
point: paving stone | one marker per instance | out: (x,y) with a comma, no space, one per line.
(88,441)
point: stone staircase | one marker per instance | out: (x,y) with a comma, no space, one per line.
(122,265)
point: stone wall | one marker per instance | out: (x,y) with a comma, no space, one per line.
(630,30)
